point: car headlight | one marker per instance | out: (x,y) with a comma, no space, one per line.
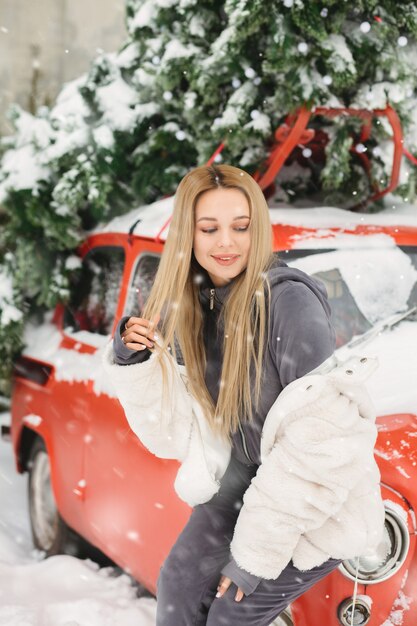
(387,558)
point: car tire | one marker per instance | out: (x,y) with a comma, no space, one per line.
(49,531)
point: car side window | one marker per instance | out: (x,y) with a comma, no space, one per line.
(95,291)
(141,284)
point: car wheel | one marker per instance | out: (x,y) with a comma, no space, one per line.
(49,531)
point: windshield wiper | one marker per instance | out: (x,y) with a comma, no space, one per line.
(381,327)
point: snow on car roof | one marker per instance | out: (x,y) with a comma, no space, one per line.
(154,218)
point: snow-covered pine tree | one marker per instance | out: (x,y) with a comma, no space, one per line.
(190,75)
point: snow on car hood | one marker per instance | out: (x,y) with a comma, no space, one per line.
(393,386)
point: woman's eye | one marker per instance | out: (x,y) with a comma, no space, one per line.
(212,230)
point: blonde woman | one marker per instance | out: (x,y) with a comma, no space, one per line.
(242,325)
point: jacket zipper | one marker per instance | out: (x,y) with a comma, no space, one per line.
(212,292)
(244,443)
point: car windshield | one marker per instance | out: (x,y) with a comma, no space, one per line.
(364,285)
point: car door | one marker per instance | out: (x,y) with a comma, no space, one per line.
(86,326)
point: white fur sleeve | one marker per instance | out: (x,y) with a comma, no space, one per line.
(325,436)
(164,428)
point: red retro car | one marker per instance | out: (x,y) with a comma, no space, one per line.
(90,476)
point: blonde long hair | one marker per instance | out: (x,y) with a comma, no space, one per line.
(175,294)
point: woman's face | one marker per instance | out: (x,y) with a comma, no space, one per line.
(222,219)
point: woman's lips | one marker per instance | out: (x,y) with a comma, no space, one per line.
(228,262)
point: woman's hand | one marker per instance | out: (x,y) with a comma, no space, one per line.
(139,333)
(224,585)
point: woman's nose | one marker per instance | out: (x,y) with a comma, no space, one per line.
(224,239)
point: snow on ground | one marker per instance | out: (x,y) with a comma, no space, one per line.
(61,590)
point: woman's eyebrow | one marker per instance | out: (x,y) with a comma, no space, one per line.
(213,219)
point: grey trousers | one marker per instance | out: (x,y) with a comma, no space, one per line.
(189,576)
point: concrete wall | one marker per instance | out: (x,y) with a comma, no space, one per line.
(45,43)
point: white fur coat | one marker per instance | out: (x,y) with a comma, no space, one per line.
(316,493)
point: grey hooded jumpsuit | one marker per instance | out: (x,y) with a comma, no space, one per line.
(301,338)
